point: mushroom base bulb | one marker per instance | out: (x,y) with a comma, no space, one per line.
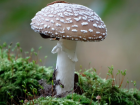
(65,65)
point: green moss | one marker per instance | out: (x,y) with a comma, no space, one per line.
(110,93)
(71,99)
(16,71)
(18,74)
(93,85)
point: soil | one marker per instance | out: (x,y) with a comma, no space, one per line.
(49,90)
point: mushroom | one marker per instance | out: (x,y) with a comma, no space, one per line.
(69,23)
(98,98)
(25,101)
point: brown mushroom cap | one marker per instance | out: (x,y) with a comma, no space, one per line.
(98,97)
(69,21)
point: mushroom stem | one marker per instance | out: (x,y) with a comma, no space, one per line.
(65,65)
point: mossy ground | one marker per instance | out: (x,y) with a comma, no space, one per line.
(19,82)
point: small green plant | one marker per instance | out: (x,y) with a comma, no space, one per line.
(11,97)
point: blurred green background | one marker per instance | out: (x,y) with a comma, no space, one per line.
(121,47)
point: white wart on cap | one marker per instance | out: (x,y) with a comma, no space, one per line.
(69,21)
